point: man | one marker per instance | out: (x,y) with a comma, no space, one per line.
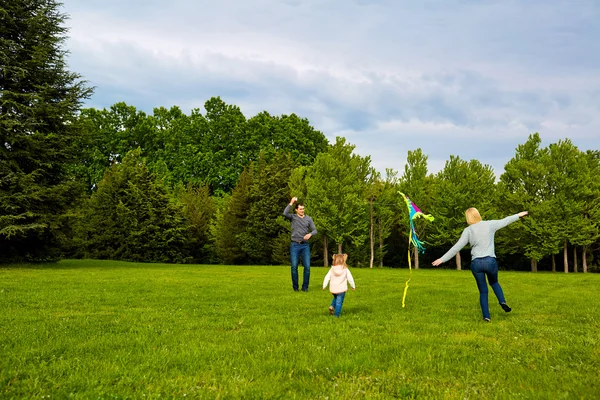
(303,228)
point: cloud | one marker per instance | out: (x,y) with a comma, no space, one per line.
(472,79)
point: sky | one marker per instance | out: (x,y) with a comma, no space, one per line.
(469,78)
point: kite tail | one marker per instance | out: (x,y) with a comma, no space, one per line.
(409,275)
(415,239)
(414,212)
(418,244)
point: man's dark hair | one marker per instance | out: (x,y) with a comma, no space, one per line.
(299,204)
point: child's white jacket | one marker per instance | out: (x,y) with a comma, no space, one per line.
(338,278)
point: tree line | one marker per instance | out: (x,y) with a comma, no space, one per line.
(210,186)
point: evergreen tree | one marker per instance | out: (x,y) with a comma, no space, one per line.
(133,217)
(39,100)
(267,235)
(199,211)
(231,221)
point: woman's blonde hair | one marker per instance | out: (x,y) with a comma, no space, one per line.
(339,259)
(472,216)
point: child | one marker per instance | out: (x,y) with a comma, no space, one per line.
(338,278)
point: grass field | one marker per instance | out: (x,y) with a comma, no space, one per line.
(103,329)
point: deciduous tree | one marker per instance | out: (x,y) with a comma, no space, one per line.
(459,186)
(335,193)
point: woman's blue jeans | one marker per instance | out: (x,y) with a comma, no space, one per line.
(482,267)
(336,303)
(298,250)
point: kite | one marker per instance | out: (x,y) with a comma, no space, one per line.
(414,212)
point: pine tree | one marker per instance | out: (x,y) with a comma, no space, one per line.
(267,236)
(133,217)
(231,221)
(199,211)
(39,100)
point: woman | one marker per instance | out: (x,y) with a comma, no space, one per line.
(480,235)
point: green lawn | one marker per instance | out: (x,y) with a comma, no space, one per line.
(103,329)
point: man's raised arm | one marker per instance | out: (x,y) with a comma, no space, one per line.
(286,212)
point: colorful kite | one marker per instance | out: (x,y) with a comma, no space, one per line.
(414,212)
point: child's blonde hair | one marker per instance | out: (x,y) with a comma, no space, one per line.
(340,259)
(472,216)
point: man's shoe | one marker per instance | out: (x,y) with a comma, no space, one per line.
(305,290)
(296,290)
(487,320)
(331,310)
(505,307)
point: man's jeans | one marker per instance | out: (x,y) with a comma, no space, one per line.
(300,250)
(482,267)
(336,303)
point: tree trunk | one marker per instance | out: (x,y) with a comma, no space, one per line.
(381,246)
(565,258)
(575,259)
(339,248)
(371,237)
(325,254)
(533,265)
(584,258)
(416,257)
(553,263)
(458,266)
